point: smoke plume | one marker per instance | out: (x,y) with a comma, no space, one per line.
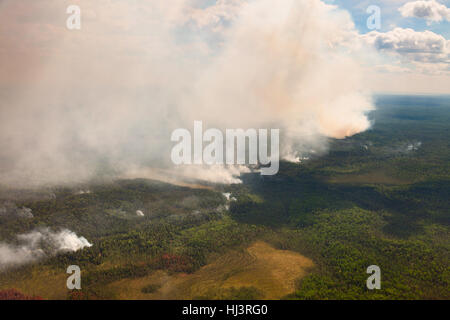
(39,244)
(103,100)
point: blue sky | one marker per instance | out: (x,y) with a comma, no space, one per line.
(413,43)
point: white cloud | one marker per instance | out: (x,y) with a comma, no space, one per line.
(425,49)
(431,10)
(392,68)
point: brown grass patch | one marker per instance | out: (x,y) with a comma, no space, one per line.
(271,271)
(368,178)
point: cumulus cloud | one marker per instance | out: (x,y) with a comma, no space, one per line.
(104,100)
(424,49)
(430,10)
(39,244)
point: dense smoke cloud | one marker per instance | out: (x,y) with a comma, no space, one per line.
(103,100)
(39,244)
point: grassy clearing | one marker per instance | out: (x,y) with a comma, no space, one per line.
(258,268)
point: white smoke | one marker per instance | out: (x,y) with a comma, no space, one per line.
(214,174)
(105,99)
(39,244)
(139,213)
(183,174)
(9,210)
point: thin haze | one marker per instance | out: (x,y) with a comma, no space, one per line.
(104,99)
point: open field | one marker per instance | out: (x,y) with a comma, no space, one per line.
(270,273)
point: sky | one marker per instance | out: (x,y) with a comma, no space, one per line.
(108,95)
(392,16)
(422,29)
(410,50)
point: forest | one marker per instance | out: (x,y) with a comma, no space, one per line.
(378,198)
